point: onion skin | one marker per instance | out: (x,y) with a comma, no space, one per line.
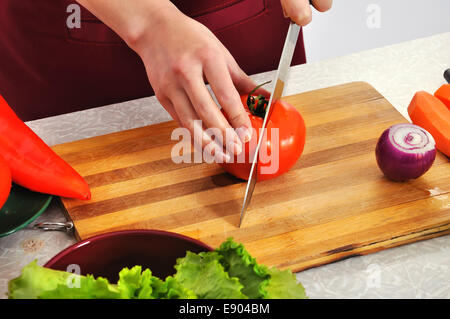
(399,164)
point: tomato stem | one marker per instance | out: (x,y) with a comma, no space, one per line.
(257,104)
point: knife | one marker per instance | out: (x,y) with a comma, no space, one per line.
(277,92)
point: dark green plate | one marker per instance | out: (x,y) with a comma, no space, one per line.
(22,207)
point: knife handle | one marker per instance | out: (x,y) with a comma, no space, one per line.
(447,75)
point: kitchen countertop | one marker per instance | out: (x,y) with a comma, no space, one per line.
(417,270)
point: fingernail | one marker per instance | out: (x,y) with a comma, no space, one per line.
(222,157)
(237,148)
(244,134)
(227,157)
(234,147)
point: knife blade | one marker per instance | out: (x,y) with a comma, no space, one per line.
(277,92)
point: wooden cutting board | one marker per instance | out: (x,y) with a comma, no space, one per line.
(333,204)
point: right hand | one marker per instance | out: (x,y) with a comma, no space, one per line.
(179,54)
(300,10)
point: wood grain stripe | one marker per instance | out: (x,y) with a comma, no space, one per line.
(341,112)
(137,199)
(136,185)
(135,172)
(156,140)
(121,137)
(325,99)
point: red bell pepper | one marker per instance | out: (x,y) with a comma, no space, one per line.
(33,164)
(5,181)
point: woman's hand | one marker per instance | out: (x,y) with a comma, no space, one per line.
(179,57)
(180,54)
(300,10)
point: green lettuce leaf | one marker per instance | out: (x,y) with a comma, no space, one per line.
(172,289)
(284,285)
(29,284)
(238,263)
(229,272)
(40,282)
(137,284)
(147,289)
(133,283)
(205,276)
(258,280)
(89,288)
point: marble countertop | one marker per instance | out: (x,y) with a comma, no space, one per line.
(418,270)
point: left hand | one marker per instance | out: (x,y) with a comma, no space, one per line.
(300,10)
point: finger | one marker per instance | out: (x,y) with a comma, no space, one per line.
(242,82)
(298,10)
(322,5)
(209,113)
(168,106)
(228,97)
(190,120)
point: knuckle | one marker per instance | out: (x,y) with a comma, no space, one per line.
(304,18)
(237,117)
(209,53)
(204,111)
(161,97)
(180,68)
(225,96)
(188,123)
(163,87)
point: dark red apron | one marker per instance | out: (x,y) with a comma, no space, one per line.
(47,68)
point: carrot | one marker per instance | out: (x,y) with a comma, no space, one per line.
(428,112)
(443,94)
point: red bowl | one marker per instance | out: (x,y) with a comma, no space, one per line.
(105,255)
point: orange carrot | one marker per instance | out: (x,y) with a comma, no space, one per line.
(443,94)
(428,112)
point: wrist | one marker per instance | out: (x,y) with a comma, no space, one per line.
(139,32)
(133,22)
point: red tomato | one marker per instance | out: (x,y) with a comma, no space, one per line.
(280,156)
(5,181)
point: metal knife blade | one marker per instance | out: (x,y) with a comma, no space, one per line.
(279,83)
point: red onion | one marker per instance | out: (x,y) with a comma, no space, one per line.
(405,151)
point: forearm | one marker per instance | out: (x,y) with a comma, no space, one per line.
(130,19)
